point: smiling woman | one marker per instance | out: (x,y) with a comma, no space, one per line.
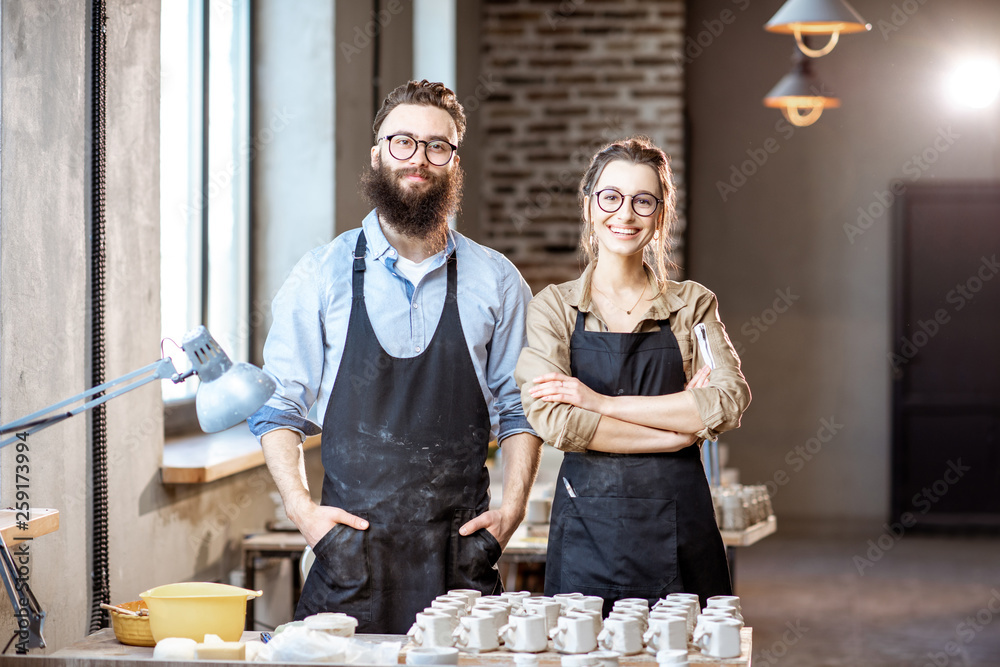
(610,376)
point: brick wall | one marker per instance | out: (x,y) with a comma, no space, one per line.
(573,75)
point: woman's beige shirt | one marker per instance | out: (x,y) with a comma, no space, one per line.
(550,322)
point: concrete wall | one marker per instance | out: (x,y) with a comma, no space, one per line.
(44,277)
(158,534)
(293,169)
(773,227)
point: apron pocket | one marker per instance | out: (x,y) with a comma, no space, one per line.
(343,554)
(624,545)
(473,557)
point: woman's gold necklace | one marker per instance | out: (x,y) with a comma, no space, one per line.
(612,302)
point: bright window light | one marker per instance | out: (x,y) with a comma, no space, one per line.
(974,83)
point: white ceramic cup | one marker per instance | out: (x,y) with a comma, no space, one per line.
(451,611)
(525,659)
(470,594)
(493,598)
(496,612)
(632,613)
(563,599)
(687,597)
(525,633)
(332,623)
(516,598)
(622,635)
(547,607)
(581,660)
(606,658)
(673,657)
(595,616)
(574,634)
(477,634)
(721,638)
(432,655)
(708,615)
(591,602)
(636,602)
(450,603)
(666,632)
(725,602)
(432,628)
(456,599)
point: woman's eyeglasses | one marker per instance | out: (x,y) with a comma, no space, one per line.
(643,203)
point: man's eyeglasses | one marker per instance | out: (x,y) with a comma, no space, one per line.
(643,203)
(403,147)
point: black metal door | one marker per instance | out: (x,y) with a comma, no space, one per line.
(945,356)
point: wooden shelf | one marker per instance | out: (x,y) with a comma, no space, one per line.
(752,535)
(206,458)
(40,522)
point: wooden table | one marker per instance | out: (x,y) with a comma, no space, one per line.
(101,648)
(40,522)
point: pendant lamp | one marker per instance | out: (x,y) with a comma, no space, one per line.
(800,95)
(816,17)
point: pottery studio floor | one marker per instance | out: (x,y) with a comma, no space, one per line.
(823,598)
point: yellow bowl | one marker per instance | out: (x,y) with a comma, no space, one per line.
(194,609)
(132,630)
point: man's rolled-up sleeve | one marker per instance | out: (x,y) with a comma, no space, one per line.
(293,354)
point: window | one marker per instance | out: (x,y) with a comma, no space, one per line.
(204,175)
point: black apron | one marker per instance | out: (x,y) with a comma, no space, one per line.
(404,447)
(641,525)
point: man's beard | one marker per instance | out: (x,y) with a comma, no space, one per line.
(418,213)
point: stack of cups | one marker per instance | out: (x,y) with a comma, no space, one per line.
(625,626)
(717,632)
(449,621)
(525,631)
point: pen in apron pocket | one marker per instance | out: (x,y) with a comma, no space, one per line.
(569,488)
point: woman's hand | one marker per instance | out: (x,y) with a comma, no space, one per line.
(560,388)
(700,379)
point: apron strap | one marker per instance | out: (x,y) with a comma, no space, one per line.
(358,279)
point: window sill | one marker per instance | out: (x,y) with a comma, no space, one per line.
(206,457)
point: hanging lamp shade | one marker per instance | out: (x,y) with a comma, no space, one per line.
(800,95)
(816,17)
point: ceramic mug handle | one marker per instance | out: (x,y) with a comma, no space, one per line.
(606,638)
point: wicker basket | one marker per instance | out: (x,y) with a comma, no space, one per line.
(132,630)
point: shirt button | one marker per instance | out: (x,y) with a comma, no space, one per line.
(417,348)
(416,306)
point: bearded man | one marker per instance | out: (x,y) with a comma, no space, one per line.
(405,334)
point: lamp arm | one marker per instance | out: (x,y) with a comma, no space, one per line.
(158,370)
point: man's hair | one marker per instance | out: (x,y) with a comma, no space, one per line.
(423,93)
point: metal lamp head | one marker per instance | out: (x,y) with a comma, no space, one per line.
(229,393)
(800,95)
(816,17)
